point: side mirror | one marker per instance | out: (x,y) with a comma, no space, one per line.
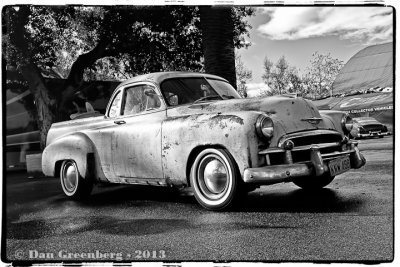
(149,92)
(173,100)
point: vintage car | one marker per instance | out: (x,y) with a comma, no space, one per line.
(194,130)
(364,127)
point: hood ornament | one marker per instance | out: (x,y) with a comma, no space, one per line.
(313,120)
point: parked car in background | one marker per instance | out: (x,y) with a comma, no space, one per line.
(194,130)
(365,127)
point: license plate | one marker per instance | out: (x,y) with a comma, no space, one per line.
(339,166)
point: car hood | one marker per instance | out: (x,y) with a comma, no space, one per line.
(369,122)
(289,111)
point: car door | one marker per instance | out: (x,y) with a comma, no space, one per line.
(136,140)
(102,136)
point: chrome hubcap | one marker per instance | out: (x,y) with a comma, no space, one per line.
(213,177)
(70,176)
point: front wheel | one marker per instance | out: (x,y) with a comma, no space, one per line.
(215,179)
(314,182)
(72,183)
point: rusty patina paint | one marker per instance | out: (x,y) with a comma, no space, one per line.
(232,130)
(154,147)
(230,118)
(287,110)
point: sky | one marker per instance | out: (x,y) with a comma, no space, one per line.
(298,32)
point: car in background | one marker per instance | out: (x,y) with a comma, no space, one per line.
(364,127)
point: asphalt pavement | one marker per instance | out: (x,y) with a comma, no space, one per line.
(349,221)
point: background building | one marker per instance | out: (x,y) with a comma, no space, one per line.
(371,67)
(364,86)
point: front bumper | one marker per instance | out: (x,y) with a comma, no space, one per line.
(372,134)
(316,167)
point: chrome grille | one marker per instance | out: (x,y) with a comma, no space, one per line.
(312,138)
(328,142)
(374,127)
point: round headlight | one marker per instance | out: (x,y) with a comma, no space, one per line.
(347,123)
(265,127)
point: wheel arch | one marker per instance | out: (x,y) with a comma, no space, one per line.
(77,147)
(196,151)
(57,166)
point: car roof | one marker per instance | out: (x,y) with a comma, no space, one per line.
(159,77)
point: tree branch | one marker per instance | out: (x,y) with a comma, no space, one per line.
(75,77)
(83,61)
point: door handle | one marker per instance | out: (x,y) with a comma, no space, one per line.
(119,122)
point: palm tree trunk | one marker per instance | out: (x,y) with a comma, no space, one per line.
(219,51)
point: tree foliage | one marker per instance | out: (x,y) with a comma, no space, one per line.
(280,76)
(295,81)
(321,73)
(243,75)
(137,39)
(317,81)
(102,43)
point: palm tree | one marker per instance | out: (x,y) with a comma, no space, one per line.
(219,51)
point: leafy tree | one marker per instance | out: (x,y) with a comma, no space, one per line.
(321,73)
(295,81)
(276,76)
(281,77)
(243,75)
(78,43)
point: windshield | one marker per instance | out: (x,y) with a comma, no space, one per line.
(180,91)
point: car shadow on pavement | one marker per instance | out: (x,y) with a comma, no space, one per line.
(299,200)
(131,195)
(285,200)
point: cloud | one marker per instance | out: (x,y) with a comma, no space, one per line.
(358,24)
(255,89)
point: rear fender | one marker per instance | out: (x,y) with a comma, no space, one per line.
(77,147)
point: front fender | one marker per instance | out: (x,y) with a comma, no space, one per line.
(77,147)
(234,131)
(333,118)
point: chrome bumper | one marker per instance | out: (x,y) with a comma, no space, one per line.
(317,166)
(372,134)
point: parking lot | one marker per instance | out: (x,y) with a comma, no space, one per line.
(350,220)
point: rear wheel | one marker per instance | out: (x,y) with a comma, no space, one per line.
(215,179)
(314,182)
(72,183)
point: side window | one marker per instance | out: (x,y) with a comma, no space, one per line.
(114,108)
(139,99)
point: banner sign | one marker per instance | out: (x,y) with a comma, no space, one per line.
(358,103)
(370,109)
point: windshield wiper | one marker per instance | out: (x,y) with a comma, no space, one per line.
(207,98)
